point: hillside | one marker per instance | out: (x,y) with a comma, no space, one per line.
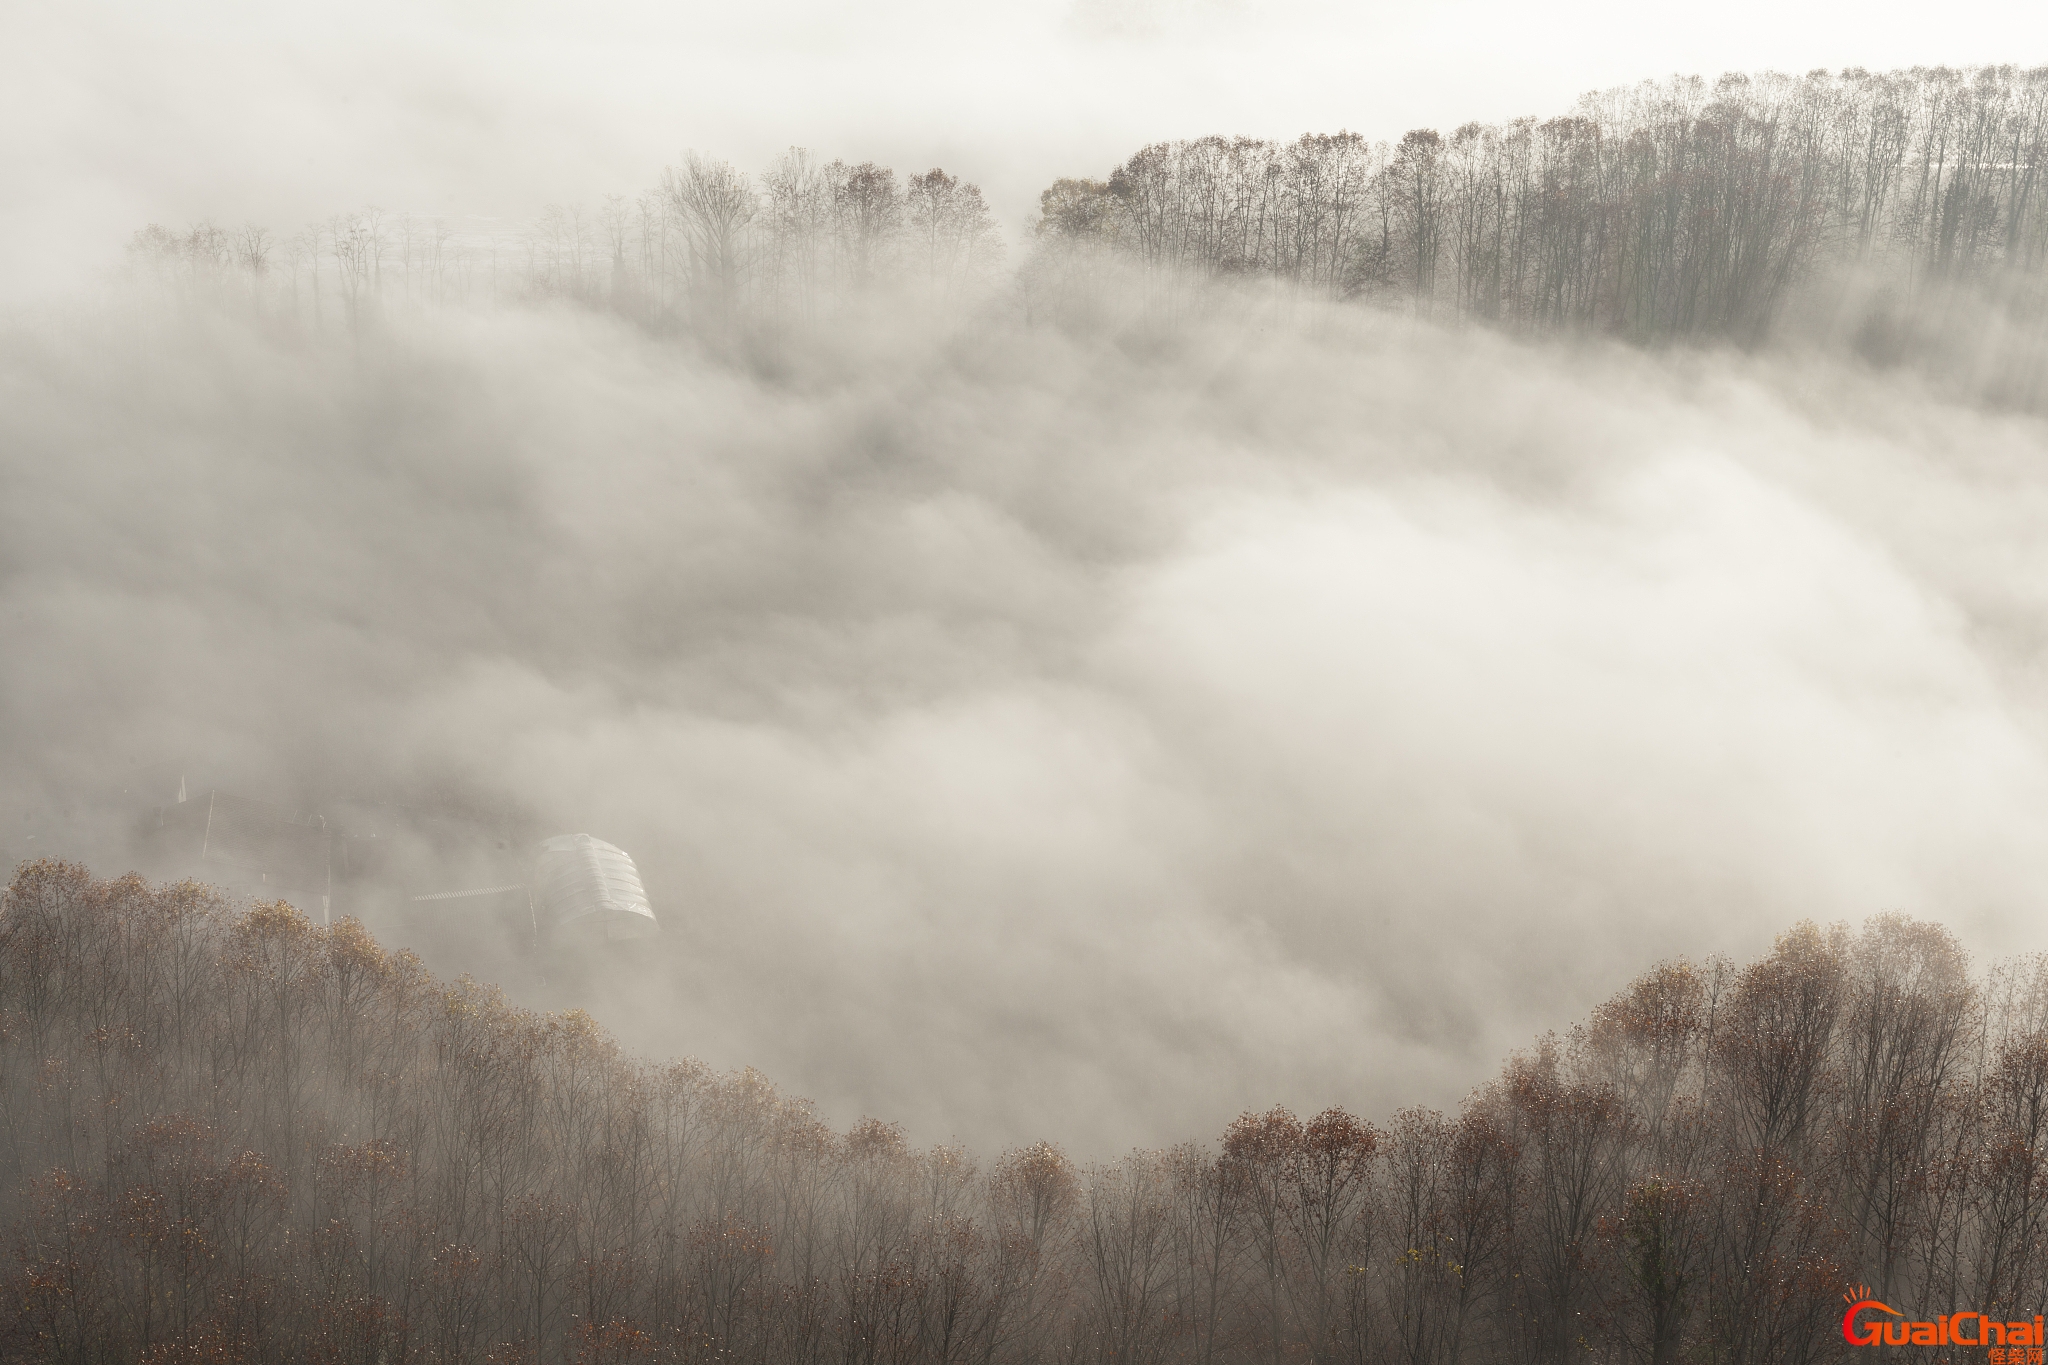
(227,1134)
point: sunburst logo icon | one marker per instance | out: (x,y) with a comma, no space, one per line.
(1859,1299)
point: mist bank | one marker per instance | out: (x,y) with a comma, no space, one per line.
(1012,720)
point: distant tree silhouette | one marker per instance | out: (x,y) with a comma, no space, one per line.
(1900,214)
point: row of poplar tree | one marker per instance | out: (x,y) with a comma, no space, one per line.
(229,1134)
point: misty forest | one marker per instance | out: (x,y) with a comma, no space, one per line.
(232,1134)
(1156,718)
(1892,211)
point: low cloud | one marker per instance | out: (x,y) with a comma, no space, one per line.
(1028,731)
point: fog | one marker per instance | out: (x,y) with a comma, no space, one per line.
(1025,729)
(1092,731)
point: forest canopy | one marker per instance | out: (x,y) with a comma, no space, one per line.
(231,1134)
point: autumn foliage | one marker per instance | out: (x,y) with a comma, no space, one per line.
(229,1134)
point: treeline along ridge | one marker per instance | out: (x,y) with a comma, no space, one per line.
(1900,213)
(228,1134)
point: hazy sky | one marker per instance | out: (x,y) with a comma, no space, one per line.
(116,114)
